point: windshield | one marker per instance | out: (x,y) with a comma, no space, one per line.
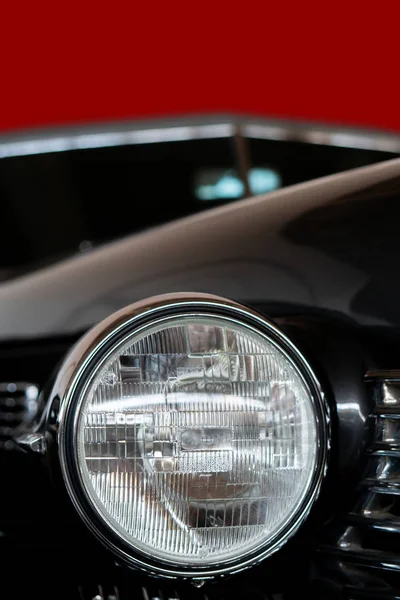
(55,204)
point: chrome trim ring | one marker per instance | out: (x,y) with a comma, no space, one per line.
(92,350)
(156,131)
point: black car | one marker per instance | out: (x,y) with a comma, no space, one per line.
(199,372)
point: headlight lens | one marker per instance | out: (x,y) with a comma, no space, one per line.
(197,440)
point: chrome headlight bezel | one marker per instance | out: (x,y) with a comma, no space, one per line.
(93,349)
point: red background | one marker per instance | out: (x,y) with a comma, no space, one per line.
(71,63)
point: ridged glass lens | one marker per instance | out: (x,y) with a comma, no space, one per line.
(197,440)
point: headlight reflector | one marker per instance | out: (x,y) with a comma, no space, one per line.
(198,440)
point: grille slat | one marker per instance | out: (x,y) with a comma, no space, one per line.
(365,557)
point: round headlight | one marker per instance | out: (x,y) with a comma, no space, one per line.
(192,435)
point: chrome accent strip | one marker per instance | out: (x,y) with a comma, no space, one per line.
(33,442)
(19,403)
(326,137)
(389,525)
(393,453)
(384,490)
(85,141)
(387,415)
(170,130)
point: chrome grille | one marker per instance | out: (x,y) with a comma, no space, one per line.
(362,548)
(18,405)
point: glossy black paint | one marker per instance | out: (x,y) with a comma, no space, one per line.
(329,244)
(340,361)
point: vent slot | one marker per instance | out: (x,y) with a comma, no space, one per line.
(18,405)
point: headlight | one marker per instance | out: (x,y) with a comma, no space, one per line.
(192,435)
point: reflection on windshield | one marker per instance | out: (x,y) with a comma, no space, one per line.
(217,184)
